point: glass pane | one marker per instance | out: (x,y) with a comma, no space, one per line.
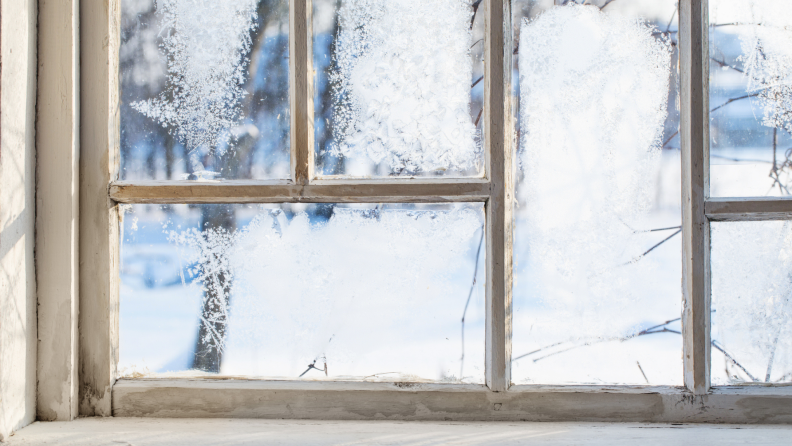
(399,87)
(751,304)
(597,248)
(204,89)
(363,292)
(750,97)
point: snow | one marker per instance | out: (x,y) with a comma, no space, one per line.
(403,84)
(751,299)
(374,292)
(205,47)
(593,92)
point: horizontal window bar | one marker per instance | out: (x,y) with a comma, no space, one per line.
(358,191)
(240,398)
(748,209)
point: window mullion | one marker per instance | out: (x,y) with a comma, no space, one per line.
(694,132)
(498,150)
(301,90)
(100,42)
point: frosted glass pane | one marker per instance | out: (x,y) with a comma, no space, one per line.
(751,302)
(371,292)
(750,97)
(399,87)
(204,89)
(597,248)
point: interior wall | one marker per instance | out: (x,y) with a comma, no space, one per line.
(17,214)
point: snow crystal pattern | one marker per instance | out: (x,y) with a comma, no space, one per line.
(767,55)
(207,253)
(205,45)
(403,84)
(752,300)
(593,90)
(275,264)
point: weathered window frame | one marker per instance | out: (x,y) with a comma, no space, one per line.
(100,196)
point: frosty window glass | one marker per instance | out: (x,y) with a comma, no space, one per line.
(751,302)
(597,266)
(316,292)
(398,87)
(750,97)
(204,90)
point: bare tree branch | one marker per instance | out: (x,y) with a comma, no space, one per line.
(726,65)
(606,4)
(734,99)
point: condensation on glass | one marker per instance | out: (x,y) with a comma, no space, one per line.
(398,88)
(316,292)
(204,90)
(597,295)
(750,97)
(751,302)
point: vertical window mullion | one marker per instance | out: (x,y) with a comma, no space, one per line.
(694,132)
(498,150)
(301,80)
(100,42)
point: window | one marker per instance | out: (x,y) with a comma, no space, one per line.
(345,184)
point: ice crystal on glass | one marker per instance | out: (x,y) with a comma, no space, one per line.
(205,44)
(767,55)
(403,84)
(593,91)
(752,301)
(357,291)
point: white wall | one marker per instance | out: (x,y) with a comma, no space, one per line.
(17,215)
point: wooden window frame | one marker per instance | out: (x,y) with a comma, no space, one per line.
(100,393)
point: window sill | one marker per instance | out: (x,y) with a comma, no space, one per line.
(239,398)
(160,432)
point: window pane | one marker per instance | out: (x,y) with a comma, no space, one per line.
(597,248)
(374,292)
(204,89)
(399,87)
(750,97)
(751,304)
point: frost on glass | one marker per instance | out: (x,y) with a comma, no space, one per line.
(751,302)
(597,246)
(204,89)
(750,97)
(372,292)
(395,83)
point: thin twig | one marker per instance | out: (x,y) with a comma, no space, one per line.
(653,247)
(784,377)
(606,4)
(734,99)
(724,64)
(479,116)
(747,160)
(734,361)
(648,331)
(477,81)
(467,303)
(642,372)
(475,7)
(313,366)
(772,358)
(656,230)
(668,28)
(670,138)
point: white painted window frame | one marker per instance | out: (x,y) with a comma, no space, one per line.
(100,195)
